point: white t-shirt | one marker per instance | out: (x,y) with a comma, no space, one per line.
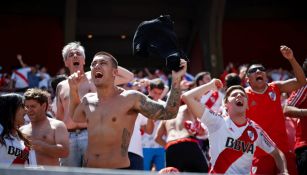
(232,147)
(15,152)
(20,82)
(148,140)
(135,145)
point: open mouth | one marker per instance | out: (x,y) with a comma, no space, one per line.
(98,75)
(259,78)
(76,63)
(239,103)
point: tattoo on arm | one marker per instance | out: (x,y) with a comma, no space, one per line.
(150,108)
(173,102)
(125,142)
(157,111)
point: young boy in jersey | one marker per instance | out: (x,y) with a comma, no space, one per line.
(233,138)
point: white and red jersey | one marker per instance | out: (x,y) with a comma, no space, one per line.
(232,147)
(15,152)
(212,100)
(20,76)
(299,99)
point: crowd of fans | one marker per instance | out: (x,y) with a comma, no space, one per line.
(157,145)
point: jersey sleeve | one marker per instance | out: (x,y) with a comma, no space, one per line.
(297,97)
(265,142)
(212,120)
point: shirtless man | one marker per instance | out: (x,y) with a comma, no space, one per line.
(111,112)
(182,149)
(48,136)
(74,59)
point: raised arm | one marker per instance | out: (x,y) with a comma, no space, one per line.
(294,112)
(294,84)
(157,111)
(75,107)
(192,97)
(19,58)
(123,76)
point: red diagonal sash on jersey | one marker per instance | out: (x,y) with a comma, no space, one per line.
(212,99)
(21,76)
(23,157)
(229,155)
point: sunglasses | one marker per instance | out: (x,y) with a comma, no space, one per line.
(253,70)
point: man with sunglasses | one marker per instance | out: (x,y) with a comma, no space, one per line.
(264,107)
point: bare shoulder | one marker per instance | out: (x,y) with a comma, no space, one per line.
(61,86)
(63,83)
(129,92)
(134,95)
(56,123)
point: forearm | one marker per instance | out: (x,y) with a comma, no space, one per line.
(198,92)
(54,151)
(22,63)
(124,76)
(74,101)
(280,161)
(160,141)
(294,112)
(149,127)
(173,101)
(298,72)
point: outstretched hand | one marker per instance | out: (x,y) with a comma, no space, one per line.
(75,79)
(286,52)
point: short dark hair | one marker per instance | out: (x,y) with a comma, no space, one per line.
(156,83)
(55,81)
(199,77)
(232,79)
(39,95)
(113,59)
(230,89)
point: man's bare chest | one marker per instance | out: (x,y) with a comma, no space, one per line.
(46,134)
